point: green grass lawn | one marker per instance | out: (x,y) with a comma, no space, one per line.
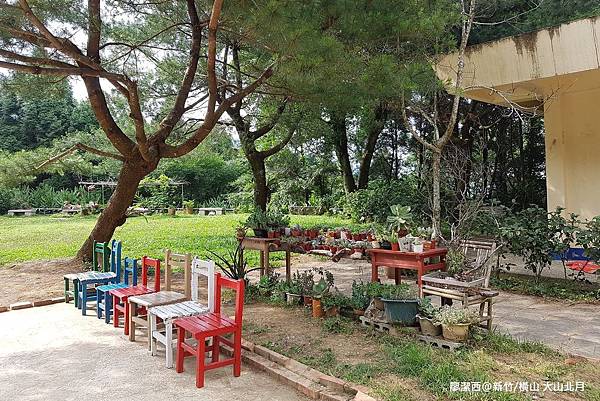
(50,237)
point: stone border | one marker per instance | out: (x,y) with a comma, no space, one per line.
(308,381)
(31,304)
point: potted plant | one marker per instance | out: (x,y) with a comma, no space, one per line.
(171,210)
(417,245)
(456,322)
(188,205)
(400,303)
(394,242)
(360,297)
(427,318)
(374,291)
(240,232)
(399,220)
(333,302)
(258,221)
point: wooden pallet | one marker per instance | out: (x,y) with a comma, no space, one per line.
(440,342)
(379,326)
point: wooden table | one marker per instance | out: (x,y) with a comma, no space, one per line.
(419,261)
(266,246)
(148,301)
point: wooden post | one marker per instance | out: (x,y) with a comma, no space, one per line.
(168,270)
(187,274)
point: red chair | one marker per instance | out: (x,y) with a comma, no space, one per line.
(121,295)
(213,326)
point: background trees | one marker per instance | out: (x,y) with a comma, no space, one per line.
(328,128)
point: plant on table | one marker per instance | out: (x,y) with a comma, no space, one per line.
(400,219)
(258,221)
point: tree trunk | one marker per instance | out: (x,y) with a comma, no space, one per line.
(114,215)
(372,137)
(338,125)
(435,198)
(259,172)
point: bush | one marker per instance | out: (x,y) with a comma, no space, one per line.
(373,203)
(43,196)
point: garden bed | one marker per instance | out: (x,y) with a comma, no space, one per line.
(401,368)
(550,288)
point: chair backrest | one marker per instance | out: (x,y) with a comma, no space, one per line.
(100,256)
(478,253)
(203,268)
(183,261)
(236,285)
(130,267)
(148,263)
(115,258)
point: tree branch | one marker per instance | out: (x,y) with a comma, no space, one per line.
(79,146)
(262,131)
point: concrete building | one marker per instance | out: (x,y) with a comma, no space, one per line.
(557,72)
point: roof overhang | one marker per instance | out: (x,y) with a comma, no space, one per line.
(529,69)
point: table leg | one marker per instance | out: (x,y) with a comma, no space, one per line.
(132,307)
(397,276)
(83,298)
(169,343)
(374,271)
(420,280)
(152,318)
(262,263)
(288,266)
(267,262)
(115,314)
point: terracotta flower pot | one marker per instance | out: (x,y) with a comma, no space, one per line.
(333,311)
(395,246)
(317,308)
(307,300)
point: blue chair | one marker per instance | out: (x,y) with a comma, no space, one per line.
(109,274)
(103,296)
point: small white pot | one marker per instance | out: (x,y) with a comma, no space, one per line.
(417,248)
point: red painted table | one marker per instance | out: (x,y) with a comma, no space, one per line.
(422,262)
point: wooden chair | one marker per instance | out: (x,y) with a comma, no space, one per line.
(478,254)
(103,297)
(140,303)
(212,325)
(100,260)
(121,295)
(100,263)
(169,313)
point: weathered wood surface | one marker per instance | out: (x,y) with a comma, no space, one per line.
(157,298)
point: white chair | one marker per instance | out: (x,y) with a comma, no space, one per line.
(168,313)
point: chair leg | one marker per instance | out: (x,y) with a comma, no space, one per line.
(169,343)
(180,351)
(237,352)
(76,293)
(107,307)
(215,349)
(83,305)
(115,311)
(66,290)
(200,355)
(99,303)
(489,312)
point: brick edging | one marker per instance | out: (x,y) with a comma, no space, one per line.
(32,304)
(308,377)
